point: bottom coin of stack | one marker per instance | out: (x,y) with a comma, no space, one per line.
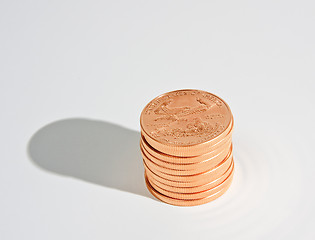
(186,146)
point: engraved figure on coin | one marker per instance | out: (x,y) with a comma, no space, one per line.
(178,116)
(178,112)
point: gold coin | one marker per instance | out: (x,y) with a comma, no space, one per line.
(218,148)
(195,169)
(192,151)
(206,164)
(194,189)
(184,203)
(193,196)
(185,122)
(210,175)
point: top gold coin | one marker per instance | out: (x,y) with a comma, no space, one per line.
(185,118)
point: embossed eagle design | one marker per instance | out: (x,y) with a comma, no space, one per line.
(178,112)
(193,127)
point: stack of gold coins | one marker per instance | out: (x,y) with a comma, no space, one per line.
(186,146)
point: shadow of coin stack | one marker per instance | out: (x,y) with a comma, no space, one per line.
(186,146)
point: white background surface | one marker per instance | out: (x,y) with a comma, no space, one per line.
(74,77)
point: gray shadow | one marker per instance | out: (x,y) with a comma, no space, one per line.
(93,151)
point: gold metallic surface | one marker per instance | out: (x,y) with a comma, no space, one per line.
(186,147)
(203,163)
(203,179)
(189,151)
(185,122)
(186,160)
(185,203)
(210,175)
(192,174)
(196,195)
(195,189)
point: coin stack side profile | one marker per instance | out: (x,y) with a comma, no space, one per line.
(186,146)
